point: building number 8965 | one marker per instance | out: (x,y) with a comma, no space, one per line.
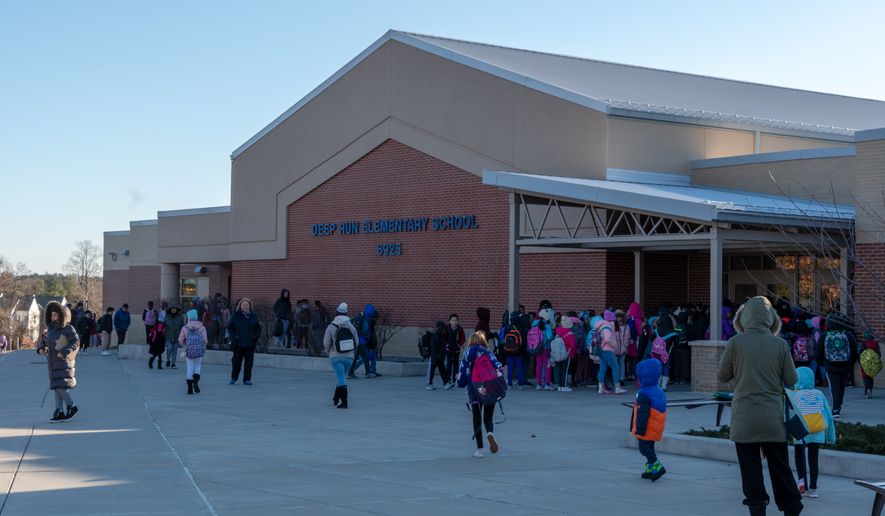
(389,249)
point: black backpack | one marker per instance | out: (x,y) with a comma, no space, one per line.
(345,340)
(424,344)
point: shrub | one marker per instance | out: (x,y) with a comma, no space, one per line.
(850,437)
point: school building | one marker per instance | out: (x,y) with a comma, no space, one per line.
(431,175)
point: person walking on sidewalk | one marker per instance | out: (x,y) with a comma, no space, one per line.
(282,311)
(438,358)
(59,343)
(649,416)
(339,341)
(122,320)
(193,338)
(482,414)
(245,330)
(760,364)
(105,327)
(174,324)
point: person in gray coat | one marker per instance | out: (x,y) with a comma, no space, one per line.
(174,323)
(59,343)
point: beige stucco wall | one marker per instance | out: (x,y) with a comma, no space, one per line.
(804,179)
(869,188)
(455,113)
(203,237)
(116,244)
(775,143)
(143,245)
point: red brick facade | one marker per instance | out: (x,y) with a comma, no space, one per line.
(869,293)
(699,278)
(665,279)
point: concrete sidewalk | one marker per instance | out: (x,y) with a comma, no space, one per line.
(279,447)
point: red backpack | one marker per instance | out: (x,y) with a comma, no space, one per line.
(487,381)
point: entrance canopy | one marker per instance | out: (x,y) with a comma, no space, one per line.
(663,214)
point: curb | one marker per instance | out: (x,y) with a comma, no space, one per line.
(302,363)
(832,462)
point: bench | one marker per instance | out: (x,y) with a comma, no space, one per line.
(695,403)
(879,489)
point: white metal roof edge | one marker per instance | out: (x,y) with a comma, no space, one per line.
(193,211)
(770,157)
(870,135)
(647,177)
(116,233)
(552,186)
(138,223)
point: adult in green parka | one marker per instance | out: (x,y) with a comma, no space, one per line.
(760,364)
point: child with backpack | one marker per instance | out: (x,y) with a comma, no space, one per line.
(454,342)
(193,338)
(625,342)
(649,416)
(870,362)
(538,343)
(481,372)
(339,341)
(608,347)
(438,358)
(513,347)
(801,346)
(562,351)
(837,350)
(813,406)
(156,345)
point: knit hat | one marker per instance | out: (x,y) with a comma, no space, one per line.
(191,315)
(547,314)
(608,315)
(566,322)
(342,309)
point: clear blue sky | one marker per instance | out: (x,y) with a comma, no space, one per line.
(110,110)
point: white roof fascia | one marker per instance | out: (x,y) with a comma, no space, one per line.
(138,223)
(583,193)
(770,157)
(116,233)
(647,177)
(193,211)
(870,135)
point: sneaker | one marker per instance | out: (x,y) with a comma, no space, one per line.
(657,471)
(801,487)
(868,393)
(549,388)
(523,387)
(72,411)
(539,387)
(837,414)
(351,377)
(648,472)
(372,375)
(173,366)
(479,453)
(231,382)
(84,352)
(247,383)
(168,364)
(450,386)
(619,390)
(811,493)
(565,389)
(493,444)
(429,387)
(105,353)
(57,416)
(602,389)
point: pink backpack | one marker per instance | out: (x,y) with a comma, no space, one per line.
(490,386)
(659,347)
(535,340)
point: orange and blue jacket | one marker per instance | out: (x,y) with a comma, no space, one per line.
(650,408)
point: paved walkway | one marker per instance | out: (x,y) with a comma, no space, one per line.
(141,446)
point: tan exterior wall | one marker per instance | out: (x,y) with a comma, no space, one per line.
(115,244)
(870,191)
(775,143)
(200,237)
(802,179)
(142,245)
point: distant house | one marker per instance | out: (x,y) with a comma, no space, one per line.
(28,312)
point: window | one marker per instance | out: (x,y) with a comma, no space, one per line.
(188,288)
(830,297)
(780,290)
(806,281)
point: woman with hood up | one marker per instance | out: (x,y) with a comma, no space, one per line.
(760,364)
(174,324)
(59,343)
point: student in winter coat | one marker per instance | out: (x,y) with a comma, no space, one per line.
(365,326)
(156,344)
(518,360)
(560,369)
(340,360)
(174,324)
(760,364)
(122,320)
(85,329)
(149,316)
(454,341)
(835,358)
(608,346)
(105,326)
(438,358)
(869,343)
(245,330)
(544,321)
(282,311)
(59,343)
(624,340)
(811,401)
(482,414)
(649,416)
(193,338)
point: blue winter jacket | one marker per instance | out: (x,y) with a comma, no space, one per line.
(805,389)
(466,367)
(122,320)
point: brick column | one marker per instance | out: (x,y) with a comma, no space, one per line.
(705,357)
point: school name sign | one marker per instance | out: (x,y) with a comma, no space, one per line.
(400,225)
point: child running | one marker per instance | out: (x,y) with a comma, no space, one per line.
(870,364)
(814,407)
(482,414)
(649,416)
(193,338)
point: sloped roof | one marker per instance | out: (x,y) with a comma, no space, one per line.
(637,91)
(702,204)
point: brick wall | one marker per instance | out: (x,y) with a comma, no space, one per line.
(144,286)
(115,288)
(570,281)
(869,294)
(699,278)
(619,280)
(665,279)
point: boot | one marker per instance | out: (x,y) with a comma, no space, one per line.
(337,397)
(190,386)
(160,363)
(151,362)
(664,381)
(197,383)
(343,397)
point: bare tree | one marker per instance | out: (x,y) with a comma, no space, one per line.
(385,328)
(85,266)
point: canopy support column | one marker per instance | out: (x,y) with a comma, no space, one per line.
(169,282)
(638,259)
(513,256)
(715,284)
